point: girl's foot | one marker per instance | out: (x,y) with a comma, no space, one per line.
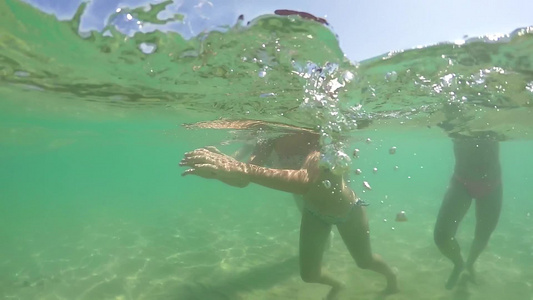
(333,294)
(392,286)
(454,276)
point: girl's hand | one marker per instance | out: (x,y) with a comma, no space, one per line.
(210,163)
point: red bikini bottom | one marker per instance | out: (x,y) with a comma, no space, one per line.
(478,188)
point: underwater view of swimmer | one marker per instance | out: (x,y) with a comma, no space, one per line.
(327,199)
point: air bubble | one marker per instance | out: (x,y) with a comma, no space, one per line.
(147,48)
(348,76)
(401,217)
(342,163)
(327,184)
(366,185)
(391,76)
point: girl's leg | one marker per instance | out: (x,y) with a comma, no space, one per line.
(299,201)
(356,236)
(313,236)
(487,214)
(452,211)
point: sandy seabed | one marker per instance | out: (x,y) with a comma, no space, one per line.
(213,252)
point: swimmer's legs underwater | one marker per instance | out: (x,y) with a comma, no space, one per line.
(299,201)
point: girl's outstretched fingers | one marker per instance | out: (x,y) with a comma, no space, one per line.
(213,149)
(202,170)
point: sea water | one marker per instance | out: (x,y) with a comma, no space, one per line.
(92,204)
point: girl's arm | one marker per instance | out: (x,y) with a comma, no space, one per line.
(211,163)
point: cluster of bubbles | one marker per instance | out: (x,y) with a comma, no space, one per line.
(335,120)
(322,102)
(365,183)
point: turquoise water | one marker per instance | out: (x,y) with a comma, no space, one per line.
(92,204)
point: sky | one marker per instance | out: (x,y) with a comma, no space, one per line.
(365,28)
